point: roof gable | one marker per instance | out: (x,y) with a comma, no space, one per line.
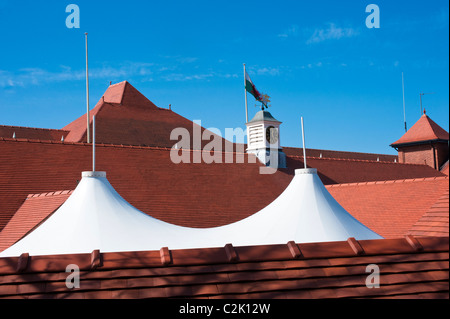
(425,129)
(126,117)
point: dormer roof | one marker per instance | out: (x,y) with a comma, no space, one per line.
(424,130)
(263,116)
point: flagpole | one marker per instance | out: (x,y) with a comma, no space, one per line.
(93,143)
(245,91)
(304,147)
(404,108)
(87,91)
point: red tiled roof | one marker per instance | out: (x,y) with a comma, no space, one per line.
(409,268)
(195,194)
(435,221)
(35,209)
(122,96)
(32,133)
(425,129)
(390,208)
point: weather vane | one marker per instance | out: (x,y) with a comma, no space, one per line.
(264,99)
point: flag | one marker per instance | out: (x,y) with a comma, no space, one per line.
(250,88)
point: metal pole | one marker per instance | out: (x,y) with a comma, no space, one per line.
(245,92)
(87,91)
(421,111)
(404,108)
(303,139)
(93,143)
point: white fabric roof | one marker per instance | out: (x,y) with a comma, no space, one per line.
(95,216)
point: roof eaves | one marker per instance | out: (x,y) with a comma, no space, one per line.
(413,143)
(55,193)
(34,128)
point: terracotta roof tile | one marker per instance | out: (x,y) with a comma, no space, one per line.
(391,209)
(31,213)
(328,270)
(435,222)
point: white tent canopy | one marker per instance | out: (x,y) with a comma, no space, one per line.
(95,216)
(304,212)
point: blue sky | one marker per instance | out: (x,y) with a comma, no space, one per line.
(316,59)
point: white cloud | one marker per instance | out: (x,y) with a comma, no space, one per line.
(268,71)
(202,76)
(186,59)
(291,31)
(332,32)
(37,76)
(141,71)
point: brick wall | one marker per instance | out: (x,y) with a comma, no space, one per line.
(441,153)
(432,155)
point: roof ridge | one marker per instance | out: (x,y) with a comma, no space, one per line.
(420,179)
(119,83)
(346,159)
(25,140)
(434,126)
(34,128)
(336,151)
(354,160)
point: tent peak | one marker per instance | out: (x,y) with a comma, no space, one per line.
(93,174)
(299,171)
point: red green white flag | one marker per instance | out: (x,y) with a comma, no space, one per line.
(250,87)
